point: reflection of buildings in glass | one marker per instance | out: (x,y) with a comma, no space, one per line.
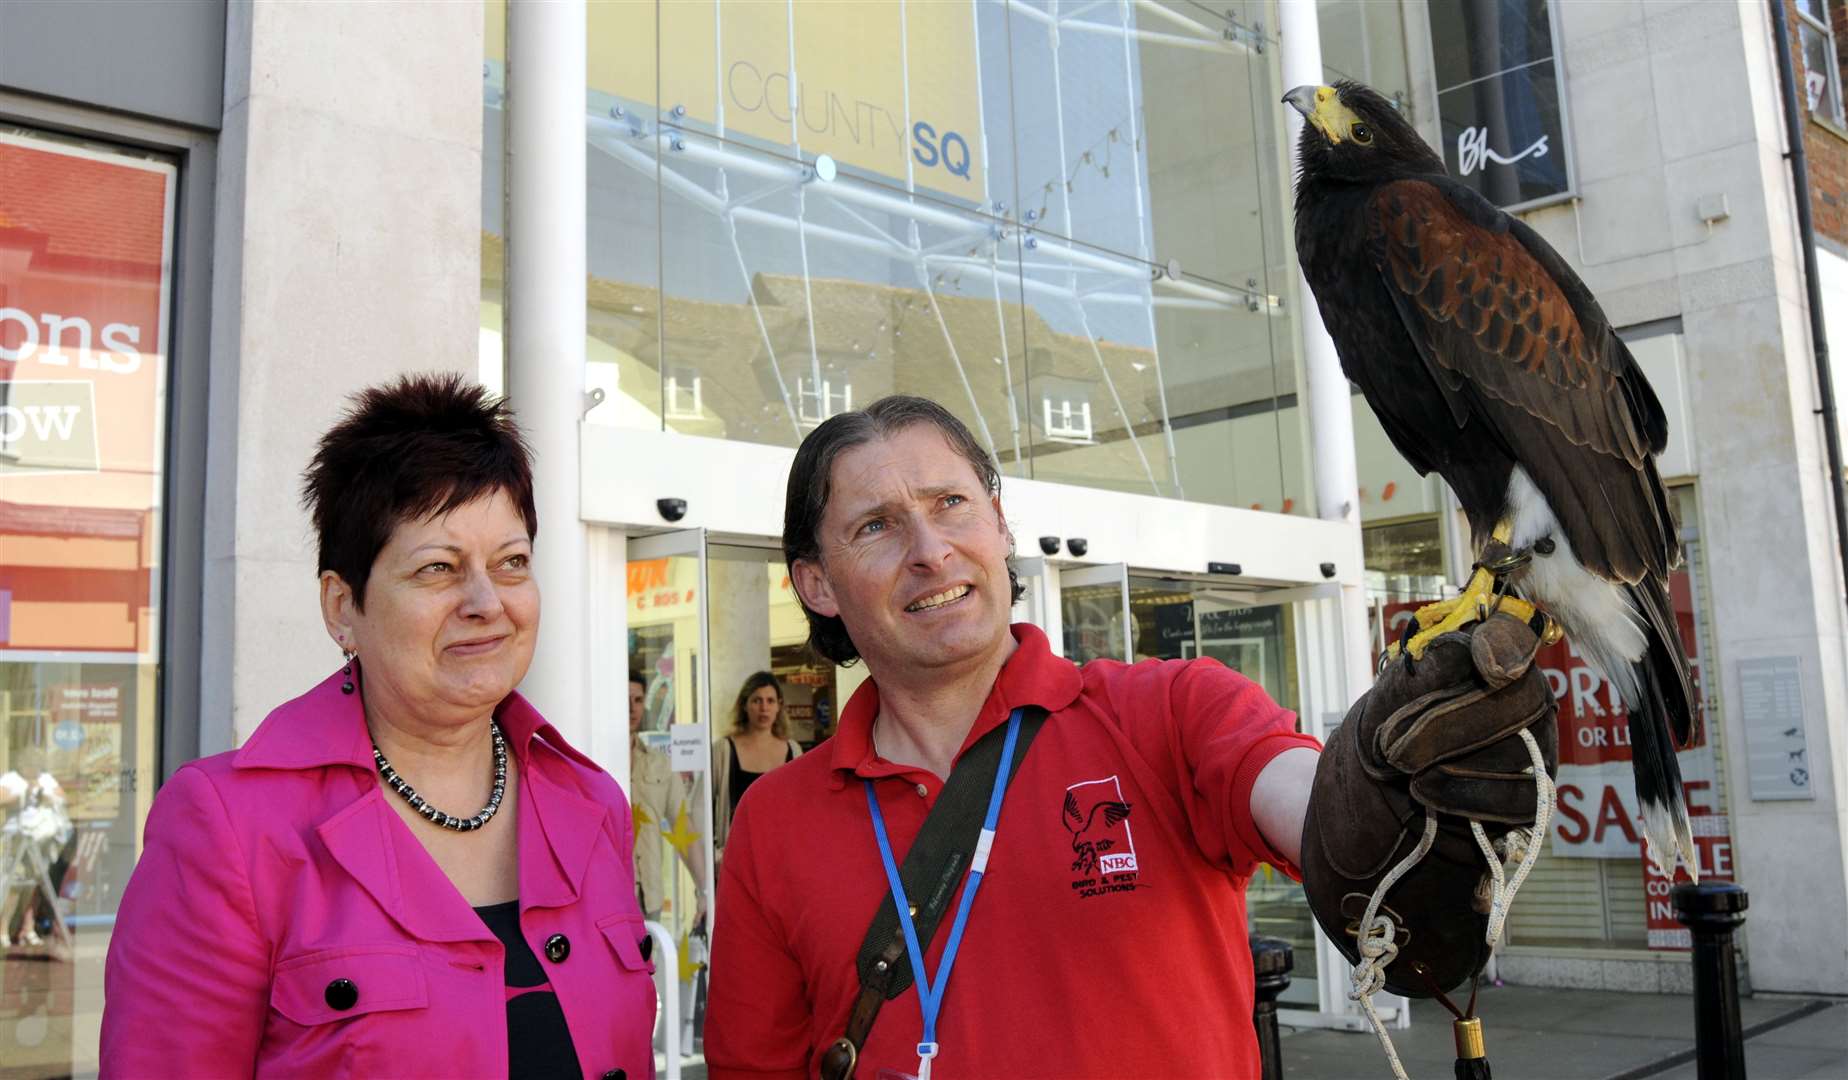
(699,201)
(84,260)
(1093,618)
(1182,620)
(84,242)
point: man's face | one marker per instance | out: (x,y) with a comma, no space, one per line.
(913,556)
(636,699)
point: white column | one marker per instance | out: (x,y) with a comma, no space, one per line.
(544,332)
(1331,430)
(1329,412)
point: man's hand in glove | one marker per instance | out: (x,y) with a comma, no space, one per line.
(1440,736)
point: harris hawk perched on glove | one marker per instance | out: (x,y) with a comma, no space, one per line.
(1487,360)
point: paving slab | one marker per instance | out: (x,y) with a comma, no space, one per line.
(1551,1034)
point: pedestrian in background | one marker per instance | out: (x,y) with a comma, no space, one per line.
(405,871)
(660,797)
(759,743)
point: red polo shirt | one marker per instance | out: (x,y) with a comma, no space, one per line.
(1081,958)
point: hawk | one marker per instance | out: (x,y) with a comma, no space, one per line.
(1489,362)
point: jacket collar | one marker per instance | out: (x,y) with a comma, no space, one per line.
(326,727)
(1032,676)
(558,824)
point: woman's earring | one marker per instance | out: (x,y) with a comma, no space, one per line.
(347,686)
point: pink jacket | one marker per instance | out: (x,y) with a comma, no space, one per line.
(272,871)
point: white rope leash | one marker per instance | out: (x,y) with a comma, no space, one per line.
(1501,897)
(1377,937)
(1379,946)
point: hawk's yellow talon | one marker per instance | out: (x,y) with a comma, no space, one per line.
(1478,601)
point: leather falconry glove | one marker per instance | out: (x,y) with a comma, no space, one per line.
(1440,736)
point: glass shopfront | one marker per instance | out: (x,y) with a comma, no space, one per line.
(85,272)
(1064,224)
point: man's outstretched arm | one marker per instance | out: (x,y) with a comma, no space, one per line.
(1280,800)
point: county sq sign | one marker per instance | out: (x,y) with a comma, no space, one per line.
(886,88)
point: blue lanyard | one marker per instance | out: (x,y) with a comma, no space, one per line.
(930,998)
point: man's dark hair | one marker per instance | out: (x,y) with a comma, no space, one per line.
(811,480)
(410,450)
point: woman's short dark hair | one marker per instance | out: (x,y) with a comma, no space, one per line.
(409,450)
(811,480)
(741,721)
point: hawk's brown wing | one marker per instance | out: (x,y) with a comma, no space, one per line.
(1523,355)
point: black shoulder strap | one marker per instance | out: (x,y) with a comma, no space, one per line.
(931,871)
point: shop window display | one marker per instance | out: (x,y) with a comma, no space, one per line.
(85,260)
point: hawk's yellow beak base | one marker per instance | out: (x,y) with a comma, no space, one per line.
(1321,107)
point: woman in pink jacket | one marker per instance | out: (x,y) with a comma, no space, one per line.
(405,871)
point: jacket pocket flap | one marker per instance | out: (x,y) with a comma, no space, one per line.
(625,933)
(339,984)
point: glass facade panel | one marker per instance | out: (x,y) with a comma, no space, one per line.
(1099,410)
(85,279)
(938,315)
(1093,622)
(1365,41)
(1151,188)
(1071,235)
(1405,570)
(1180,620)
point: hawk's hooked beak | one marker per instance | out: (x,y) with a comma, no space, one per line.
(1321,107)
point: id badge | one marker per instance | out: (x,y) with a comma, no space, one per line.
(894,1074)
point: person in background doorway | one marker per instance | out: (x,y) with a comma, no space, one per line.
(759,742)
(662,813)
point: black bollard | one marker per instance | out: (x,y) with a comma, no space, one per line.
(1712,910)
(1271,962)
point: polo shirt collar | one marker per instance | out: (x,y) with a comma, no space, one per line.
(1032,676)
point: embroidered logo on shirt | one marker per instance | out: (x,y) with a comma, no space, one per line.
(1103,849)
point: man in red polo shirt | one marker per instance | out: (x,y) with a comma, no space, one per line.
(1109,936)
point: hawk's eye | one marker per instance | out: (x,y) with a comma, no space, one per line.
(1360,133)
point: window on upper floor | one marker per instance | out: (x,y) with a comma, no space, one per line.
(1501,100)
(1822,78)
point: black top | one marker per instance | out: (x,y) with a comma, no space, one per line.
(742,777)
(538,1042)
